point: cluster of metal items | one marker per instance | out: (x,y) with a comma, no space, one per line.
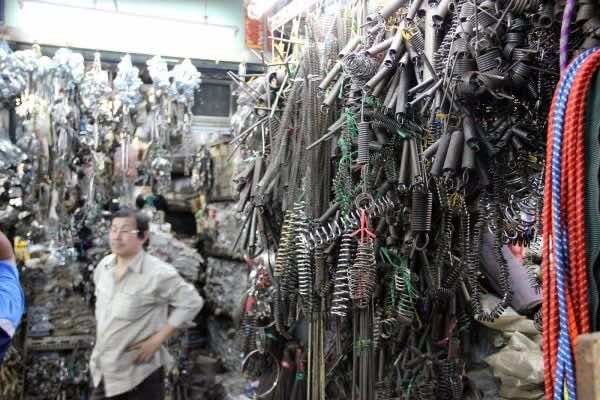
(81,147)
(387,155)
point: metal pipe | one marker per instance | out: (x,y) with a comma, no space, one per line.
(396,48)
(455,150)
(468,157)
(391,90)
(352,43)
(441,12)
(420,87)
(431,40)
(470,133)
(391,7)
(330,76)
(402,91)
(404,173)
(412,11)
(431,150)
(333,93)
(381,74)
(380,47)
(440,155)
(379,87)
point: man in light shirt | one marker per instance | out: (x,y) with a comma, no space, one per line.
(12,301)
(134,293)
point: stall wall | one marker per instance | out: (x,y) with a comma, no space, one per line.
(201,29)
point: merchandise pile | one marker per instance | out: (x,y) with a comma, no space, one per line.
(394,164)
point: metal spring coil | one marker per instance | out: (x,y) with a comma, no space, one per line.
(364,135)
(515,37)
(283,252)
(483,19)
(426,391)
(360,67)
(460,47)
(489,61)
(278,315)
(377,329)
(330,231)
(420,213)
(520,54)
(450,385)
(464,321)
(417,40)
(248,334)
(303,260)
(537,320)
(521,73)
(389,327)
(292,308)
(545,16)
(441,55)
(520,6)
(362,274)
(289,281)
(504,278)
(341,290)
(406,307)
(441,296)
(519,24)
(384,390)
(391,170)
(382,120)
(467,11)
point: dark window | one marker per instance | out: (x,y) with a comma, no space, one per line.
(213,100)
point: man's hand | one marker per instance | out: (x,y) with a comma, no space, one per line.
(147,347)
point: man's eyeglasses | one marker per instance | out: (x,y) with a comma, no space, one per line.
(115,231)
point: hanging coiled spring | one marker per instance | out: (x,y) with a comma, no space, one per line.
(341,290)
(389,327)
(520,6)
(377,330)
(362,274)
(420,215)
(426,391)
(405,310)
(504,277)
(450,386)
(284,252)
(364,136)
(278,315)
(248,334)
(303,260)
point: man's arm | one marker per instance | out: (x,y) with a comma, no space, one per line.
(6,251)
(186,303)
(12,302)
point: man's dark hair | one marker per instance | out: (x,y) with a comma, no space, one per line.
(142,222)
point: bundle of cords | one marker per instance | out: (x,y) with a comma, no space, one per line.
(565,281)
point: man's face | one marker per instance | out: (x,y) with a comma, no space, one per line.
(123,237)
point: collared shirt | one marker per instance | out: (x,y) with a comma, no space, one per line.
(131,310)
(12,303)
